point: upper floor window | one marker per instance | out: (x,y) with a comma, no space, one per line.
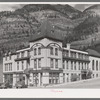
(74,65)
(22,65)
(56,51)
(79,66)
(92,64)
(35,63)
(51,63)
(35,51)
(39,63)
(22,54)
(17,65)
(5,67)
(71,65)
(66,64)
(56,63)
(6,58)
(9,57)
(28,53)
(18,54)
(82,66)
(51,50)
(96,65)
(39,51)
(11,66)
(63,64)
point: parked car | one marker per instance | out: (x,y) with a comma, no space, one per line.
(20,84)
(5,85)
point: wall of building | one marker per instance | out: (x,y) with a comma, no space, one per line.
(96,69)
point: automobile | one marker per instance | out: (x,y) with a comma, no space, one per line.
(20,84)
(5,85)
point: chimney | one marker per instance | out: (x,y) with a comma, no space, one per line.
(68,45)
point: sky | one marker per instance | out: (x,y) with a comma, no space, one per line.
(12,7)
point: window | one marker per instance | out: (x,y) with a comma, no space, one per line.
(56,63)
(35,51)
(6,58)
(74,65)
(67,53)
(51,50)
(18,54)
(39,63)
(22,65)
(79,65)
(35,63)
(71,65)
(9,57)
(82,65)
(28,53)
(39,51)
(56,51)
(17,65)
(51,63)
(96,75)
(92,64)
(22,54)
(5,67)
(11,66)
(63,64)
(96,65)
(66,64)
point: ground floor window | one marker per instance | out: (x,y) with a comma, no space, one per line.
(53,78)
(9,78)
(20,77)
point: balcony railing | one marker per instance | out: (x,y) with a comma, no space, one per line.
(22,58)
(74,58)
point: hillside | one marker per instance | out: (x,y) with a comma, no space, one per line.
(18,26)
(82,29)
(87,33)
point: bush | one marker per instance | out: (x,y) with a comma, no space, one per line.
(89,74)
(74,77)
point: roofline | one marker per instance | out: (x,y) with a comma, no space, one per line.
(47,38)
(93,55)
(78,51)
(25,49)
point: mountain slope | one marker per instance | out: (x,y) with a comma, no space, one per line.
(17,27)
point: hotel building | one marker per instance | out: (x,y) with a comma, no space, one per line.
(46,61)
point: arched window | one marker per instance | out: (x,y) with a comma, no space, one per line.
(92,64)
(35,52)
(56,51)
(51,50)
(39,51)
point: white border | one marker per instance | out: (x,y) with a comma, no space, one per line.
(49,2)
(50,93)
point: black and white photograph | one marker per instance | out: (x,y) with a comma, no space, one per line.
(47,46)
